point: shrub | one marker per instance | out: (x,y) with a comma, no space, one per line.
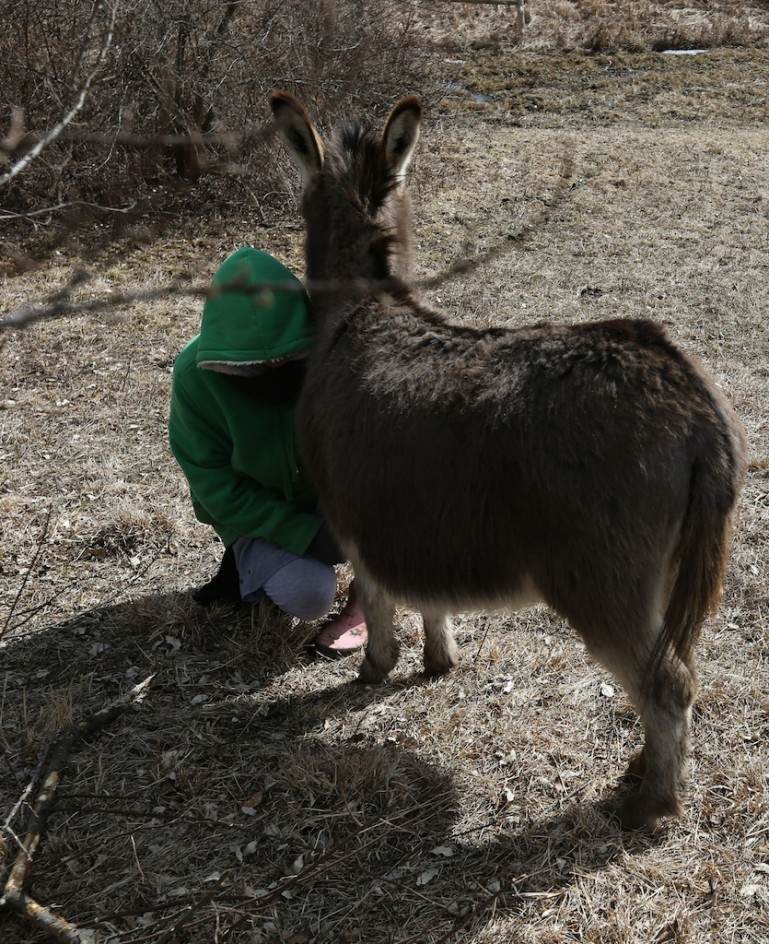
(178,88)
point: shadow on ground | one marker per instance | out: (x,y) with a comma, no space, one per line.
(231,796)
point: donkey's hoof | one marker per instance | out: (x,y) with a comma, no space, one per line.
(638,812)
(433,669)
(440,660)
(370,675)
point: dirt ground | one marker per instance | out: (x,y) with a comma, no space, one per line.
(249,794)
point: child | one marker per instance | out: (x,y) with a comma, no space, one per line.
(231,429)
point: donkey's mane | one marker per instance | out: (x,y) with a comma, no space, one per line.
(356,150)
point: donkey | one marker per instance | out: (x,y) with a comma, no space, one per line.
(592,466)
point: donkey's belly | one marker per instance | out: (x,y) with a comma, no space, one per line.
(454,584)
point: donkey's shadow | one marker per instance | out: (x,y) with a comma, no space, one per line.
(224,721)
(541,857)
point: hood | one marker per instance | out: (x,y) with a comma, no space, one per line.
(244,325)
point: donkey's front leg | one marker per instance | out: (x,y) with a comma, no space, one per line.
(441,652)
(382,646)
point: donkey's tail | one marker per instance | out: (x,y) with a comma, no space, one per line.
(702,552)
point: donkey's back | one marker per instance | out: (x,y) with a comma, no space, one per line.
(593,466)
(466,466)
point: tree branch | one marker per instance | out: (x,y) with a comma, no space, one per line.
(54,133)
(57,755)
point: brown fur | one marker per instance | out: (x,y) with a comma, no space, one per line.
(592,466)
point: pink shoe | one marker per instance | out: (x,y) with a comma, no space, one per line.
(343,634)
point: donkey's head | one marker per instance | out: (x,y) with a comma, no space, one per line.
(354,203)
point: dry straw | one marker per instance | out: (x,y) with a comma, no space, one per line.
(252,795)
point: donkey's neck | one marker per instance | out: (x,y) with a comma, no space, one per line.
(358,239)
(347,264)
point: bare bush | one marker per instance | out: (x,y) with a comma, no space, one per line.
(182,86)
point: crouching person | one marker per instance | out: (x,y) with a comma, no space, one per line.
(231,429)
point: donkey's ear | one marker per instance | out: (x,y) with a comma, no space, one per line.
(297,132)
(401,134)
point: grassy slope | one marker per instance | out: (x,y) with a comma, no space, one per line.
(462,809)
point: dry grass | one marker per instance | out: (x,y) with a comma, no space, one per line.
(605,26)
(255,796)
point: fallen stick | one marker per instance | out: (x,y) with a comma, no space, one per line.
(57,754)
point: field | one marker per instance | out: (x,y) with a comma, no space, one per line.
(246,793)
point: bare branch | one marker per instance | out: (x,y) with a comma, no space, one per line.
(57,755)
(20,591)
(56,131)
(60,303)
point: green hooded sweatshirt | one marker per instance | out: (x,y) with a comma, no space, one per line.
(239,455)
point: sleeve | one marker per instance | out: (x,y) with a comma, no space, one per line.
(234,504)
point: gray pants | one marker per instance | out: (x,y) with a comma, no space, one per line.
(300,586)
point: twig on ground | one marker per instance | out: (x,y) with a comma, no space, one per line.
(57,756)
(28,790)
(25,578)
(171,933)
(26,615)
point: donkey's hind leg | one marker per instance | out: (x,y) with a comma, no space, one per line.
(666,709)
(382,646)
(441,653)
